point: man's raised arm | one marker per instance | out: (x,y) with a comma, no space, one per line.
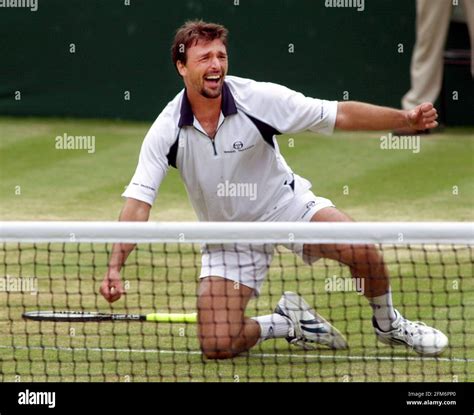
(111,288)
(353,115)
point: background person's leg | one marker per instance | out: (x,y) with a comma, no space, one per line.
(426,69)
(469,11)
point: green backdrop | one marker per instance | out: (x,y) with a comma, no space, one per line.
(120,47)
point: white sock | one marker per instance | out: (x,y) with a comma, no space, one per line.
(384,313)
(272,326)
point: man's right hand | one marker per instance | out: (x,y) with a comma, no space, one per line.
(111,287)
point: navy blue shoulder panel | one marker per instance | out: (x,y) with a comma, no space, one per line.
(172,154)
(267,131)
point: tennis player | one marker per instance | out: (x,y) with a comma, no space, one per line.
(219,132)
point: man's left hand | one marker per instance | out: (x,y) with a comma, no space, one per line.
(422,117)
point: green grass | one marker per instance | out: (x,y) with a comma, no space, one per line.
(435,285)
(383,184)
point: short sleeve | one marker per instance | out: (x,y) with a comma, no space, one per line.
(286,110)
(152,165)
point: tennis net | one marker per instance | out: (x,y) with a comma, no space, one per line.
(59,266)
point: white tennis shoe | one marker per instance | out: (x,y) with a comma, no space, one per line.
(416,335)
(309,329)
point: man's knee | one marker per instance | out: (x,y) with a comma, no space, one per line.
(216,343)
(223,350)
(221,317)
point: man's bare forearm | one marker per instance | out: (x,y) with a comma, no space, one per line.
(133,211)
(361,116)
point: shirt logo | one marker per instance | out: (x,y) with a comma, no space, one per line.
(309,205)
(238,145)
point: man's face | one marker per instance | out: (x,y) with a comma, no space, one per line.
(205,68)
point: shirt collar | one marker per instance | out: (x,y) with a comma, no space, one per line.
(228,106)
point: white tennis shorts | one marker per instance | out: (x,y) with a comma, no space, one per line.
(248,264)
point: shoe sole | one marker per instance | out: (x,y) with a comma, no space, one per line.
(396,342)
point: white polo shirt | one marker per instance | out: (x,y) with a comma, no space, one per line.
(239,175)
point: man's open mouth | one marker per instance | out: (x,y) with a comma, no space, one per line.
(213,79)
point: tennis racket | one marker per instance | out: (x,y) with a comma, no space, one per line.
(82,316)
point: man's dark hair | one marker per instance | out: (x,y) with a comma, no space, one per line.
(193,31)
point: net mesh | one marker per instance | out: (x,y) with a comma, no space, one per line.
(431,282)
